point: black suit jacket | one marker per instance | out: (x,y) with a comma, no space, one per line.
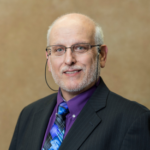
(107,122)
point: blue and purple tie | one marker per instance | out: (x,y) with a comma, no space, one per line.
(56,134)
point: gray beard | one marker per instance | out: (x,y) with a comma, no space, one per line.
(87,80)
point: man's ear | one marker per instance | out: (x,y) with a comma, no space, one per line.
(103,55)
(48,61)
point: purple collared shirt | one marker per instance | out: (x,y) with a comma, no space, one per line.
(75,106)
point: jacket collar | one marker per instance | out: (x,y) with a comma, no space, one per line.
(40,122)
(87,120)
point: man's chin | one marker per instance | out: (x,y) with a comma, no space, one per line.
(72,89)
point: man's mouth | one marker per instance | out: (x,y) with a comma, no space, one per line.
(71,71)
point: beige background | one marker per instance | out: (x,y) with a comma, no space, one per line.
(23,27)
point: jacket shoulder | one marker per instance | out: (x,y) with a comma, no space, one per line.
(125,106)
(41,103)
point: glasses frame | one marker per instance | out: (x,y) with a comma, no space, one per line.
(71,47)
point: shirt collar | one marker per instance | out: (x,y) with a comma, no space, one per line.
(76,104)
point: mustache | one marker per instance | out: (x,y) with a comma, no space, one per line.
(65,68)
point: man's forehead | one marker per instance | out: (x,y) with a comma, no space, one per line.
(73,23)
(74,19)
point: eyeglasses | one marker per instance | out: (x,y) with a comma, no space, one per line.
(59,50)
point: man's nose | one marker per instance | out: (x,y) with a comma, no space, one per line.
(69,57)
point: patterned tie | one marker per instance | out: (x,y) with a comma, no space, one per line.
(56,134)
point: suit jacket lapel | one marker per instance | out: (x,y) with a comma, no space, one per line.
(87,119)
(40,122)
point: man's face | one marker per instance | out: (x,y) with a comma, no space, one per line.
(73,72)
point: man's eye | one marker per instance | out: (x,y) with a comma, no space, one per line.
(80,48)
(59,50)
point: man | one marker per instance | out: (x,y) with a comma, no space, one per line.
(84,114)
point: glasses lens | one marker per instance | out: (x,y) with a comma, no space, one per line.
(57,50)
(81,48)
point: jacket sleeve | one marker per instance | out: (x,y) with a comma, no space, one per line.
(138,134)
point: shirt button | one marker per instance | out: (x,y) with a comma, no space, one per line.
(73,116)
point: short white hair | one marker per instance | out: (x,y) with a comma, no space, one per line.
(99,37)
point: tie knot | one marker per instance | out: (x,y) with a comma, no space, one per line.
(63,109)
